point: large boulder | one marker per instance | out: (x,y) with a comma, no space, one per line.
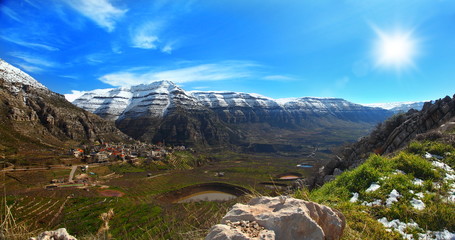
(279,218)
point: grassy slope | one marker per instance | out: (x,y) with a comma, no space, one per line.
(438,214)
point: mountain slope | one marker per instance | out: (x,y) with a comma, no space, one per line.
(33,117)
(395,133)
(161,111)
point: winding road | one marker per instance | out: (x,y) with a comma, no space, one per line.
(73,170)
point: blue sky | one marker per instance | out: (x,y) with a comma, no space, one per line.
(363,51)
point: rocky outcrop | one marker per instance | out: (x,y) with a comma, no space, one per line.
(393,134)
(279,218)
(59,234)
(32,113)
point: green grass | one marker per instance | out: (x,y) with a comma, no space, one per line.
(362,220)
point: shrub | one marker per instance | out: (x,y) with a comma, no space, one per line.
(416,165)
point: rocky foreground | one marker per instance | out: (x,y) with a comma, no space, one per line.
(279,218)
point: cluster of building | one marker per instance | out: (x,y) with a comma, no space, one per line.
(109,152)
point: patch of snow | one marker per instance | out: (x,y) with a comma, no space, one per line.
(437,235)
(398,171)
(13,75)
(417,182)
(451,193)
(373,187)
(429,155)
(355,197)
(376,202)
(393,197)
(401,227)
(419,195)
(417,204)
(442,165)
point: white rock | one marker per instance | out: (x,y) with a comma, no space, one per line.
(295,219)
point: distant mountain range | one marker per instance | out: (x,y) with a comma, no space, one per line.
(398,106)
(161,111)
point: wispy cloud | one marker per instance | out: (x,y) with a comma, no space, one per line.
(102,12)
(74,95)
(29,68)
(10,13)
(167,48)
(278,77)
(29,44)
(95,58)
(34,60)
(203,72)
(146,35)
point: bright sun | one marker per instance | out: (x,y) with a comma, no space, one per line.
(396,50)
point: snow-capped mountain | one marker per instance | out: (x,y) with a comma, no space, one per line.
(398,106)
(157,98)
(15,78)
(33,116)
(152,100)
(163,111)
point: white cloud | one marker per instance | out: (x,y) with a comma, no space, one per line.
(204,72)
(278,77)
(33,59)
(29,68)
(146,35)
(167,48)
(10,13)
(74,95)
(102,12)
(29,44)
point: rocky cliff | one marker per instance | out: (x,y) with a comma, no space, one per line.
(395,133)
(33,116)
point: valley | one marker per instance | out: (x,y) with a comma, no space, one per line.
(165,163)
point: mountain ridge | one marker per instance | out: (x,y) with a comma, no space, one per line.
(143,111)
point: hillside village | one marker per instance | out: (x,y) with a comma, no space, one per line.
(110,152)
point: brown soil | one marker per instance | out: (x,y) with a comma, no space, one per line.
(111,193)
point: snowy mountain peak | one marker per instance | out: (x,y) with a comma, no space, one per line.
(14,75)
(156,98)
(146,99)
(398,106)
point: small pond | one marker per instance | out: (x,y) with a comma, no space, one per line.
(289,176)
(304,165)
(207,196)
(204,192)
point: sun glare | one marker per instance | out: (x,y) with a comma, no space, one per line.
(395,50)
